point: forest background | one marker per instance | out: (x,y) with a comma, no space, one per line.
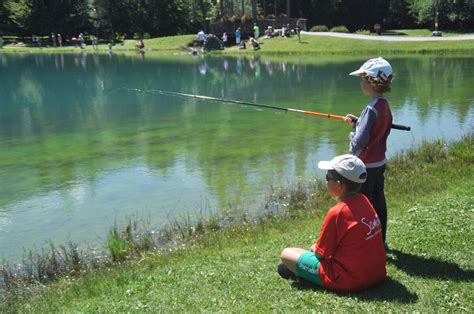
(112,19)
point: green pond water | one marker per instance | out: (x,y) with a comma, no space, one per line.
(80,151)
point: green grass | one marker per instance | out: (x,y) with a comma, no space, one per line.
(426,32)
(431,265)
(329,45)
(311,45)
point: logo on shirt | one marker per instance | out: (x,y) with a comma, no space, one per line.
(373,225)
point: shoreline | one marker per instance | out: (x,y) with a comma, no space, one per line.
(304,202)
(320,44)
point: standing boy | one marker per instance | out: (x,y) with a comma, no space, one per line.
(349,253)
(369,141)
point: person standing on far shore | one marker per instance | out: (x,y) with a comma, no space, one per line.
(237,36)
(256,31)
(60,40)
(53,40)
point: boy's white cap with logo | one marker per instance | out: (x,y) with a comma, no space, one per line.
(349,166)
(377,67)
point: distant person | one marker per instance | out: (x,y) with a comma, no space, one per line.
(255,44)
(53,40)
(283,31)
(237,36)
(94,42)
(224,38)
(36,40)
(201,37)
(82,44)
(109,45)
(139,44)
(60,40)
(369,141)
(256,31)
(349,254)
(268,32)
(242,45)
(298,30)
(1,42)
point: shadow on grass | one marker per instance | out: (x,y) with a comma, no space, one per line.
(390,291)
(428,267)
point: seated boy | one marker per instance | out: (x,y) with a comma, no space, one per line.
(255,43)
(349,254)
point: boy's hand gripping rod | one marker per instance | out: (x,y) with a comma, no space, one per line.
(312,113)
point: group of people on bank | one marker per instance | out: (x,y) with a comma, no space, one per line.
(270,32)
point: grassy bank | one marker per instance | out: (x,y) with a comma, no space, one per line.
(431,265)
(310,45)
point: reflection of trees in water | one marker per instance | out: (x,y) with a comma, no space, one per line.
(435,83)
(76,124)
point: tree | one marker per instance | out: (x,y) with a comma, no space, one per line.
(457,14)
(18,14)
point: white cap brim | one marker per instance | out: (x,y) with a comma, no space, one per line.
(357,73)
(325,165)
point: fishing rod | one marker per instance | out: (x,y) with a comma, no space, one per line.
(312,113)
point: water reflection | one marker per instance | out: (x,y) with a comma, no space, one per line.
(77,150)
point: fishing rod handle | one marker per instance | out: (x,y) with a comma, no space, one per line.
(394,126)
(401,127)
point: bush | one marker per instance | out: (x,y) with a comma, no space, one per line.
(319,28)
(339,29)
(363,32)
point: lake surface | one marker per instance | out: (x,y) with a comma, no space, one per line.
(81,150)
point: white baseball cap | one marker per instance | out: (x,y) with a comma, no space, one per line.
(348,166)
(377,67)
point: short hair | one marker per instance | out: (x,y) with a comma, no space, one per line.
(351,186)
(380,85)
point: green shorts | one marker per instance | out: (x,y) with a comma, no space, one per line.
(307,268)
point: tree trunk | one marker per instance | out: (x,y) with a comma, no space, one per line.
(288,7)
(254,9)
(275,7)
(265,8)
(243,7)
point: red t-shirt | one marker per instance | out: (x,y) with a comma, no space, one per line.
(351,243)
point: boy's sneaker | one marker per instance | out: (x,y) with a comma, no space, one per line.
(284,272)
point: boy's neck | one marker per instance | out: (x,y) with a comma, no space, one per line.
(376,95)
(347,195)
